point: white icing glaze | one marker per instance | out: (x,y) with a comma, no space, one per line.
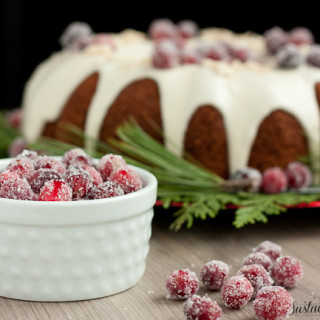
(244,95)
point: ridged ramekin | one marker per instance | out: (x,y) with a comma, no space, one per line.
(79,250)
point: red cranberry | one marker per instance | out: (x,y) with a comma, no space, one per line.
(31,154)
(313,56)
(258,258)
(289,56)
(46,162)
(79,180)
(237,292)
(215,52)
(21,166)
(201,308)
(252,174)
(161,29)
(82,159)
(40,177)
(182,284)
(109,163)
(166,55)
(190,56)
(16,146)
(187,29)
(299,175)
(96,176)
(18,189)
(301,35)
(70,154)
(8,175)
(55,190)
(239,53)
(272,303)
(287,271)
(127,178)
(275,38)
(257,275)
(214,274)
(270,248)
(274,180)
(14,118)
(106,189)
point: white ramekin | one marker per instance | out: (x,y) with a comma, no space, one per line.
(67,251)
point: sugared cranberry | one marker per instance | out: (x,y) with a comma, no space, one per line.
(258,258)
(16,146)
(187,29)
(31,154)
(301,35)
(201,308)
(214,274)
(237,292)
(274,180)
(7,175)
(160,29)
(79,180)
(299,175)
(127,179)
(257,275)
(106,189)
(109,163)
(40,177)
(239,53)
(270,248)
(46,162)
(275,38)
(313,56)
(18,189)
(55,190)
(70,154)
(182,284)
(76,36)
(82,159)
(216,51)
(251,174)
(289,56)
(96,176)
(22,166)
(287,271)
(190,56)
(166,55)
(272,303)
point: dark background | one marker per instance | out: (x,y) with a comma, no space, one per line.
(30,29)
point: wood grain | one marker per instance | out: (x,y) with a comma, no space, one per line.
(296,231)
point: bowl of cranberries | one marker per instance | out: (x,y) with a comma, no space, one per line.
(72,227)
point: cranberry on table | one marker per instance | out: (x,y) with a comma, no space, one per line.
(272,249)
(287,271)
(237,292)
(214,274)
(258,258)
(182,284)
(272,303)
(257,275)
(274,180)
(201,308)
(299,175)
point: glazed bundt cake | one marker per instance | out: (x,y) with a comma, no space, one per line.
(227,100)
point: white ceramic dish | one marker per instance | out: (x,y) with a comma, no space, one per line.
(67,251)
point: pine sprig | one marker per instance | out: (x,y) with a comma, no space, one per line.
(201,193)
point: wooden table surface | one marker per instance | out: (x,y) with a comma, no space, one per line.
(298,232)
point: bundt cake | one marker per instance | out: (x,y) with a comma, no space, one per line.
(227,100)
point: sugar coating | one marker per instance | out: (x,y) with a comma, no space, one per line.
(182,284)
(22,166)
(7,175)
(127,178)
(196,308)
(257,275)
(258,258)
(214,274)
(40,177)
(50,163)
(299,175)
(109,163)
(55,190)
(107,189)
(70,154)
(17,189)
(270,248)
(237,292)
(274,180)
(272,303)
(287,271)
